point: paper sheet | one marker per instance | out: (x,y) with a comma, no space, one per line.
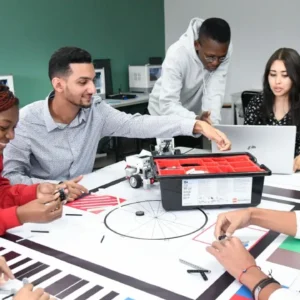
(66,276)
(286,276)
(137,258)
(101,177)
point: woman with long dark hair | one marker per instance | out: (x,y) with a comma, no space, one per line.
(279,103)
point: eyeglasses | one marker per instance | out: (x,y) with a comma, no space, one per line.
(211,59)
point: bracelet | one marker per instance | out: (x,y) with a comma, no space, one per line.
(262,284)
(245,270)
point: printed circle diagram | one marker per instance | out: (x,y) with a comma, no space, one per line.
(147,220)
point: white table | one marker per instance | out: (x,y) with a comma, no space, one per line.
(132,268)
(144,98)
(140,98)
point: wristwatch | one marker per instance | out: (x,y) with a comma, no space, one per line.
(262,284)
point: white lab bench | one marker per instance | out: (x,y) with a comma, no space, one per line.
(144,98)
(140,99)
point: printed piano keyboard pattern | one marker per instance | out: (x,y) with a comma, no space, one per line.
(95,203)
(56,282)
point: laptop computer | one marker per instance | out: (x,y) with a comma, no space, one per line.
(272,146)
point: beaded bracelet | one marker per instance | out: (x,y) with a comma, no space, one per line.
(245,270)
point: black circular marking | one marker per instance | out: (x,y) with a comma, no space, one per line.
(139,213)
(153,239)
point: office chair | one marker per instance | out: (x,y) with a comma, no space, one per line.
(246,97)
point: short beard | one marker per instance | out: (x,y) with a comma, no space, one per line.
(85,105)
(80,105)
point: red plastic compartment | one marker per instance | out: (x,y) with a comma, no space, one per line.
(248,169)
(207,159)
(224,163)
(214,170)
(212,165)
(186,169)
(242,164)
(238,158)
(226,169)
(190,162)
(167,162)
(170,163)
(172,172)
(219,159)
(210,168)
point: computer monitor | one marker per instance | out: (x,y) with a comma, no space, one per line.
(7,80)
(100,82)
(154,73)
(143,78)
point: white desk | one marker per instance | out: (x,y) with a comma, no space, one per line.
(124,268)
(144,98)
(285,181)
(140,99)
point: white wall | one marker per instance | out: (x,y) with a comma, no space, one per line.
(259,27)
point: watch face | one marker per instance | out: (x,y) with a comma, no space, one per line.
(256,293)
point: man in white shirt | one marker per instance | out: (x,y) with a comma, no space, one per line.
(232,254)
(192,84)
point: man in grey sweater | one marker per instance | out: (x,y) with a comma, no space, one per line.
(56,139)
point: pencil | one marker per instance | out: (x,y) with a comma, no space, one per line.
(7,297)
(193,266)
(73,214)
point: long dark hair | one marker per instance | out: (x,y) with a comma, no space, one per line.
(291,60)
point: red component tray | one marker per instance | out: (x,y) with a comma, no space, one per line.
(212,165)
(179,175)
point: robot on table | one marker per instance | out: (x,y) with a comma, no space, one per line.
(139,171)
(165,146)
